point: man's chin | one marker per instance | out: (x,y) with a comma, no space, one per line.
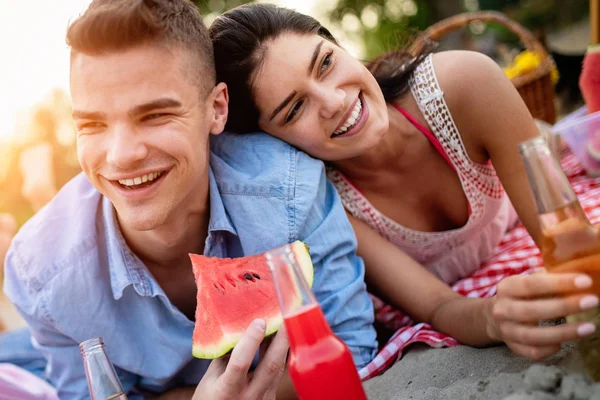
(139,220)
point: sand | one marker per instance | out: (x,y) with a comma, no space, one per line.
(466,373)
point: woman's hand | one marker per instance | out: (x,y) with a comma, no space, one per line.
(522,301)
(229,378)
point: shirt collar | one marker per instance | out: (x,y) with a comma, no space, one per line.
(125,267)
(219,219)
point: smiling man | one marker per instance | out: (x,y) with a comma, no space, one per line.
(109,255)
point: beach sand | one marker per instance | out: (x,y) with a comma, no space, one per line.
(495,373)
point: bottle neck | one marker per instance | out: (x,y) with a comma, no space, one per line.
(307,326)
(549,184)
(103,382)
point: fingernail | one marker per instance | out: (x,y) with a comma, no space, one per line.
(260,324)
(586,329)
(588,302)
(583,281)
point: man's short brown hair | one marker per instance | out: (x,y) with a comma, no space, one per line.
(116,25)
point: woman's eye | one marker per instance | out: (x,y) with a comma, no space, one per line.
(294,111)
(326,63)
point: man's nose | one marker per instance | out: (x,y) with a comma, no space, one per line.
(126,148)
(332,103)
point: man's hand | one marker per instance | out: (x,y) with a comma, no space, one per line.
(229,379)
(523,301)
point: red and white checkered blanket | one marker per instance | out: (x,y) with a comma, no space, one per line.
(516,254)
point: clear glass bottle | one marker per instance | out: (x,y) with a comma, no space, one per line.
(320,364)
(570,243)
(102,379)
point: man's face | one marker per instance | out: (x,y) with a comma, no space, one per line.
(142,131)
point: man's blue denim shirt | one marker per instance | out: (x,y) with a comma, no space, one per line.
(72,277)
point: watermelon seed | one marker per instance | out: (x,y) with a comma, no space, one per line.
(256,276)
(231,281)
(248,276)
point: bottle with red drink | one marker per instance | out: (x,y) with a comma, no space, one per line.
(320,364)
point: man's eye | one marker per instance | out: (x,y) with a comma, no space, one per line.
(326,63)
(294,111)
(88,126)
(154,116)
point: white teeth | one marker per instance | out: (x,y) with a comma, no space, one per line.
(354,116)
(140,179)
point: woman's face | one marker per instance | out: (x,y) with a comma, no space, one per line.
(315,96)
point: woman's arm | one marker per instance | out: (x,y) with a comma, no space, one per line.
(512,316)
(492,120)
(408,286)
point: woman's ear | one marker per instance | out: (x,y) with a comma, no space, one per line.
(219,98)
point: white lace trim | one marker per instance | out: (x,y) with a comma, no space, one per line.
(430,98)
(479,181)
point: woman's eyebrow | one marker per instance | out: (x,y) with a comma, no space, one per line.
(311,66)
(314,57)
(282,105)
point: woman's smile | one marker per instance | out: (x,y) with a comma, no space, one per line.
(354,120)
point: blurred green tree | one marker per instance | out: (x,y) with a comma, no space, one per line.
(216,7)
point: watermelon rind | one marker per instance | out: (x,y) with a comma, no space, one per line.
(593,48)
(302,255)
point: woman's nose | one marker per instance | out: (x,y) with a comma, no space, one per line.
(333,103)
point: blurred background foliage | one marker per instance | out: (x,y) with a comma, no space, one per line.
(382,25)
(365,28)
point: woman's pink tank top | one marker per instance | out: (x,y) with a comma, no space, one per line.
(453,254)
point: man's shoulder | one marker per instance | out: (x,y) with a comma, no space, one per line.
(61,231)
(259,164)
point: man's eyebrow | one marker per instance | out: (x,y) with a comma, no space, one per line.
(282,105)
(158,104)
(137,110)
(314,57)
(78,114)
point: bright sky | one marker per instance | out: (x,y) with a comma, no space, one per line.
(35,58)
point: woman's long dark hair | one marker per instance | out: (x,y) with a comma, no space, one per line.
(239,38)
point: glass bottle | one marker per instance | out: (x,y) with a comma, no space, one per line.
(320,364)
(570,243)
(102,379)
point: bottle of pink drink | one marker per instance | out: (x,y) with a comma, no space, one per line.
(320,364)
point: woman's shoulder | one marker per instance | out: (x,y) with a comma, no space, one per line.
(462,71)
(459,75)
(476,91)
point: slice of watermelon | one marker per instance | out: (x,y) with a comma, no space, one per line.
(589,80)
(232,292)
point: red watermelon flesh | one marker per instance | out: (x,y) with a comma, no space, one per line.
(589,80)
(232,292)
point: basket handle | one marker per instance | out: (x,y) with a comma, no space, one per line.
(441,28)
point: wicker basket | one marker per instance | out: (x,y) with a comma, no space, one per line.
(535,87)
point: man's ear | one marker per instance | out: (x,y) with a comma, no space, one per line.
(220,101)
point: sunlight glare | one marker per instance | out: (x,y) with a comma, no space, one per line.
(32,38)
